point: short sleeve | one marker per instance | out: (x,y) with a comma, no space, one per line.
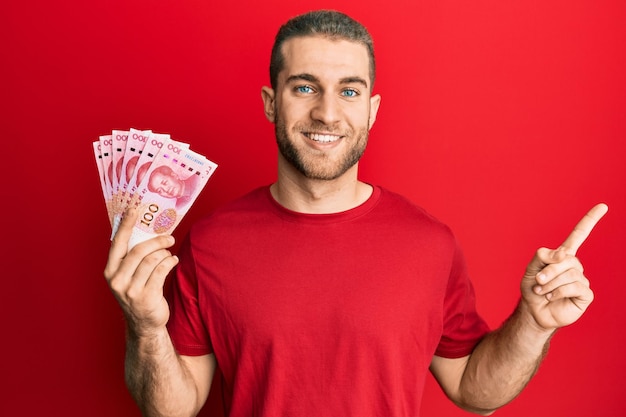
(186,326)
(463,327)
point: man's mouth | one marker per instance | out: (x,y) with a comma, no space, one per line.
(322,138)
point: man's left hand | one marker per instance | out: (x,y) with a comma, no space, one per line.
(554,287)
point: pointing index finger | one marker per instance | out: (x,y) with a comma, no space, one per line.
(583,229)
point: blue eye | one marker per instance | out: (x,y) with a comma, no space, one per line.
(304,89)
(349,93)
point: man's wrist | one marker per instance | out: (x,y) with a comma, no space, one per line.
(146,336)
(530,325)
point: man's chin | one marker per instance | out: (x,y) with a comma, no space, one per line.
(324,173)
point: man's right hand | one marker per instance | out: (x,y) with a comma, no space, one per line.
(136,277)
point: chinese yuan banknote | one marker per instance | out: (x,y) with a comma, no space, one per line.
(106,149)
(98,154)
(134,146)
(153,173)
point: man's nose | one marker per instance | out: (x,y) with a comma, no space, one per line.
(327,109)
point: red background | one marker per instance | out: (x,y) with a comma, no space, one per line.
(504,119)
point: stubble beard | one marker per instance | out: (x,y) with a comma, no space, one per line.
(317,165)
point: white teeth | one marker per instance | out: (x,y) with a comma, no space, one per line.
(323,138)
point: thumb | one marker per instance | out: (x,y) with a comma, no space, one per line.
(544,257)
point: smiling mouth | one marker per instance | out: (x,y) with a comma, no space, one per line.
(317,137)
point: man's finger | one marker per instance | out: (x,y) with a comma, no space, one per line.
(583,229)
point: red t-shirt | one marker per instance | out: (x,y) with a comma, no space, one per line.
(333,314)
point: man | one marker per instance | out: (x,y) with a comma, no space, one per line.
(321,294)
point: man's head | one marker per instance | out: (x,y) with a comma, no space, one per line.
(141,172)
(321,103)
(327,23)
(130,168)
(164,181)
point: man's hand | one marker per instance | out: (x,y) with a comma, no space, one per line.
(136,277)
(554,287)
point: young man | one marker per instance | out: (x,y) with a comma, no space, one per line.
(321,294)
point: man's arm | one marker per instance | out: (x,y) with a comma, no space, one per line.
(162,382)
(555,293)
(498,368)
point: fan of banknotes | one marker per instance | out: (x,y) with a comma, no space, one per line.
(159,176)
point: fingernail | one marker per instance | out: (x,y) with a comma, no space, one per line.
(549,296)
(537,289)
(541,277)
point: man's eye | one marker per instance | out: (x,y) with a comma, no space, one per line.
(349,92)
(304,89)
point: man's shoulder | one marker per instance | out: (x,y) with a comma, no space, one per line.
(406,208)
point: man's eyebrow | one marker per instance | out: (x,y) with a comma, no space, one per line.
(302,77)
(313,79)
(354,80)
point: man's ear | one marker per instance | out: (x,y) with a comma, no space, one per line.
(268,103)
(374,105)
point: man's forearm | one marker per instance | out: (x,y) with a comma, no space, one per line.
(503,362)
(156,378)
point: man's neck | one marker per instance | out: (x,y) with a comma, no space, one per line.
(303,195)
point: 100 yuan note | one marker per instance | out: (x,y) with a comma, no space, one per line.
(119,139)
(97,150)
(169,187)
(106,148)
(134,147)
(140,165)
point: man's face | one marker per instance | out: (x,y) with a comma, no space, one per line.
(322,105)
(167,185)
